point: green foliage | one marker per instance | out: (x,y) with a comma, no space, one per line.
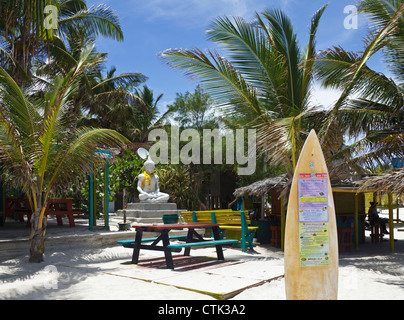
(25,38)
(193,110)
(370,107)
(174,180)
(124,173)
(264,82)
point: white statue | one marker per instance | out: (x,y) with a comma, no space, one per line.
(148,185)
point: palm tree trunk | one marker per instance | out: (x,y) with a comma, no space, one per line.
(38,230)
(195,189)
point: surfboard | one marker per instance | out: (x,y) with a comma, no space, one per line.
(311,241)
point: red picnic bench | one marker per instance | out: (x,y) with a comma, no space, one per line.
(57,207)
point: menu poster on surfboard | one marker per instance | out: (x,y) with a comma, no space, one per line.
(313,220)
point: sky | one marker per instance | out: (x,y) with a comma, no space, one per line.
(152,26)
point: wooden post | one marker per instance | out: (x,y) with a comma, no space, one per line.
(391,222)
(283,220)
(398,212)
(356,221)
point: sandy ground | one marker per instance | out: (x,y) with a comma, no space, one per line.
(83,273)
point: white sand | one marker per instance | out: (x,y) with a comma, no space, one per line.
(370,272)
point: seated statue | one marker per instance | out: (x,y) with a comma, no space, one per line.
(148,185)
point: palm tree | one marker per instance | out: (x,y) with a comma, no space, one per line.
(375,117)
(265,82)
(103,97)
(133,113)
(107,99)
(24,35)
(144,114)
(41,147)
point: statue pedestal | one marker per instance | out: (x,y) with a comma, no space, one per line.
(144,212)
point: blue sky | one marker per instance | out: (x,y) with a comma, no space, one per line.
(152,26)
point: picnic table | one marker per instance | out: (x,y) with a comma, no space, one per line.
(57,207)
(193,239)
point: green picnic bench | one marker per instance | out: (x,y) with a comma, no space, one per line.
(130,243)
(193,239)
(206,243)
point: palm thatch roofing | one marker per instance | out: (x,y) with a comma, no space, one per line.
(262,187)
(282,184)
(387,182)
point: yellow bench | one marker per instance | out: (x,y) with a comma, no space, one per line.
(227,219)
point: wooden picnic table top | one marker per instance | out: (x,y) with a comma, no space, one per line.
(161,226)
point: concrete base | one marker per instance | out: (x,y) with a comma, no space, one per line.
(147,213)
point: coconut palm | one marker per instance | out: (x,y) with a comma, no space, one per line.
(265,81)
(371,105)
(103,97)
(41,148)
(144,114)
(25,36)
(107,98)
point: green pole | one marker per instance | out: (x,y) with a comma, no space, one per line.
(90,197)
(3,203)
(94,197)
(106,200)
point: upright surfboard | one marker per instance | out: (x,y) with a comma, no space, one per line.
(311,242)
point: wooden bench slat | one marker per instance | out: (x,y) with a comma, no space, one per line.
(237,227)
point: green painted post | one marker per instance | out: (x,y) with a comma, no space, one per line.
(90,197)
(94,197)
(106,193)
(3,203)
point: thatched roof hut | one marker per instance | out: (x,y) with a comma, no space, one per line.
(262,187)
(387,182)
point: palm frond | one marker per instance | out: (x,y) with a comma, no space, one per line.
(18,125)
(367,154)
(224,83)
(124,81)
(379,13)
(80,152)
(361,117)
(96,20)
(21,112)
(283,38)
(310,54)
(251,54)
(377,42)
